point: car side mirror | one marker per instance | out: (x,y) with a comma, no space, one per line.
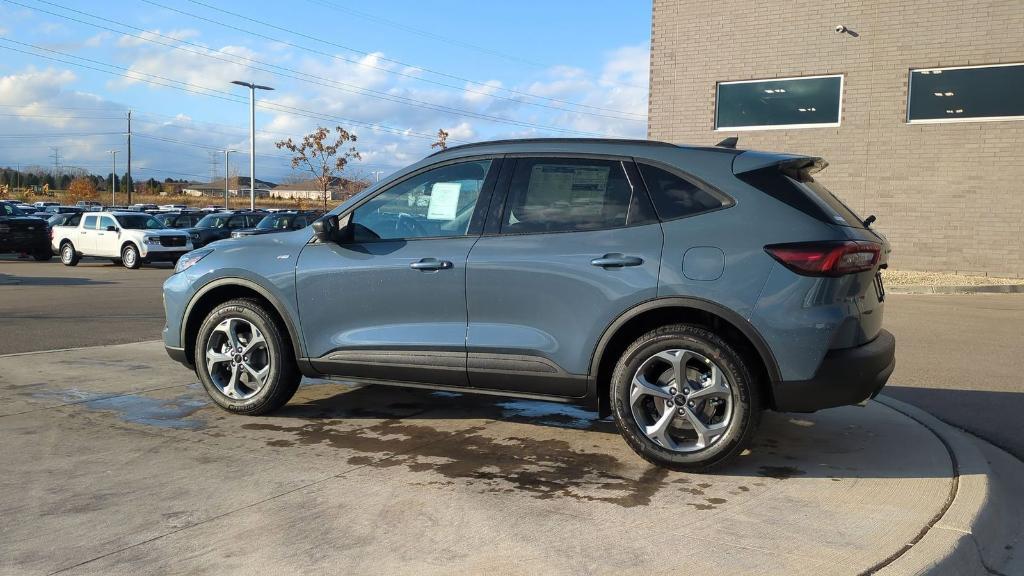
(333,229)
(111,228)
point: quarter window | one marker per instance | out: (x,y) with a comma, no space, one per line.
(564,195)
(675,197)
(966,94)
(807,102)
(434,204)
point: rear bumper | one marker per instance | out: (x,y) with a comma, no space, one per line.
(846,376)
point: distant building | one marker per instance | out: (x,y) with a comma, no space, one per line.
(340,189)
(238,186)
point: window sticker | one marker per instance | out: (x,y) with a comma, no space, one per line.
(444,201)
(553,183)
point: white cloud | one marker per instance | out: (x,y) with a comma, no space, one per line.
(33,85)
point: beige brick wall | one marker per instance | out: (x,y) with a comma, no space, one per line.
(950,197)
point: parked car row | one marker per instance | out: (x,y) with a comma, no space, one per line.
(130,237)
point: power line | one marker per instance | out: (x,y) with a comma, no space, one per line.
(488,88)
(176,44)
(204,91)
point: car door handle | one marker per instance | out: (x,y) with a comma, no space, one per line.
(431,264)
(616,260)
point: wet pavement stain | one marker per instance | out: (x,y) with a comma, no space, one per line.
(162,413)
(542,468)
(780,472)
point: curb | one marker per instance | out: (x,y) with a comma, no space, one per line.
(980,289)
(967,538)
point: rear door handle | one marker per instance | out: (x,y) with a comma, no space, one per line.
(431,264)
(616,260)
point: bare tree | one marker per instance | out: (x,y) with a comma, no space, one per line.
(322,159)
(442,140)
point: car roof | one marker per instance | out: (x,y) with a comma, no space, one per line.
(616,146)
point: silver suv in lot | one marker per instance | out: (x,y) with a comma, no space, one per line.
(682,290)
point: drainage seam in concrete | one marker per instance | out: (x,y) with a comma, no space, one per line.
(31,352)
(949,502)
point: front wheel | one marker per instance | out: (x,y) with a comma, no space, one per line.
(130,256)
(244,360)
(684,399)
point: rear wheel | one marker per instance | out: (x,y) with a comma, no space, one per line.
(130,256)
(244,360)
(68,255)
(684,399)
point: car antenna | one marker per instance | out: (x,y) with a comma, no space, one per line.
(729,142)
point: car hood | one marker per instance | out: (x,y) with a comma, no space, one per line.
(21,222)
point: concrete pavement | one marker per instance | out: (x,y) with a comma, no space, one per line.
(114,462)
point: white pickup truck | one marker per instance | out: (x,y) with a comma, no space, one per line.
(128,238)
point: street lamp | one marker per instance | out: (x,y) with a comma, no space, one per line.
(113,178)
(252,137)
(226,176)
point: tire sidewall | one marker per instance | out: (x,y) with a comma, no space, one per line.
(133,262)
(276,348)
(746,409)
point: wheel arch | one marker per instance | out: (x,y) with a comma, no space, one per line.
(642,318)
(222,290)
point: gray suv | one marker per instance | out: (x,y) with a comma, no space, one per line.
(680,289)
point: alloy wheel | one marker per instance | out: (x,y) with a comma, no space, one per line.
(681,400)
(237,358)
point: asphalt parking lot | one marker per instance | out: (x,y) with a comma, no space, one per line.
(115,462)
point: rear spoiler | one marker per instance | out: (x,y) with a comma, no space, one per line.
(791,164)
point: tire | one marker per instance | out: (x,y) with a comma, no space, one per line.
(729,414)
(130,257)
(245,317)
(43,255)
(68,255)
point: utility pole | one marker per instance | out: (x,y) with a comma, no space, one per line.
(377,173)
(252,137)
(113,179)
(226,176)
(129,183)
(56,166)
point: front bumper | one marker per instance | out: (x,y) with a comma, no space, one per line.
(164,254)
(846,376)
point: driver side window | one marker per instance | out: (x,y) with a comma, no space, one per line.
(434,204)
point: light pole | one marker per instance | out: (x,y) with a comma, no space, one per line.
(113,178)
(252,137)
(226,176)
(377,173)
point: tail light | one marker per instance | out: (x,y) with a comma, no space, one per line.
(826,258)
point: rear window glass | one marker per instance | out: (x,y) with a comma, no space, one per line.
(675,197)
(803,193)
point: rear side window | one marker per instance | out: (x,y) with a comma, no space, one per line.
(565,195)
(801,191)
(90,222)
(676,197)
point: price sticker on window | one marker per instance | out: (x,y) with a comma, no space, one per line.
(444,201)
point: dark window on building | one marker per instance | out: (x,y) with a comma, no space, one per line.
(567,194)
(793,103)
(675,197)
(959,94)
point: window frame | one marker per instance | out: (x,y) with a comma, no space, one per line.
(496,219)
(480,212)
(836,124)
(910,87)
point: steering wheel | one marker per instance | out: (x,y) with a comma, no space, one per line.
(408,227)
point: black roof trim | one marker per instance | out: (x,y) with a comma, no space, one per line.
(557,141)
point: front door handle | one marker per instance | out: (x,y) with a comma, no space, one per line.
(616,260)
(428,264)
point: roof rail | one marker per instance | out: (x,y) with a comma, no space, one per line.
(556,141)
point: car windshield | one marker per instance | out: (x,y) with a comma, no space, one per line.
(276,222)
(214,221)
(139,222)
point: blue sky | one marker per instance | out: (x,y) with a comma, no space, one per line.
(393,72)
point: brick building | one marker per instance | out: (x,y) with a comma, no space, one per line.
(918,106)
